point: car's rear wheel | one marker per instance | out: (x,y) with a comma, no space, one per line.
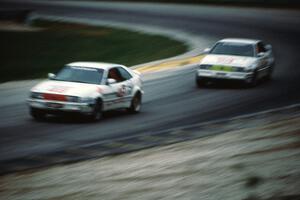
(136,103)
(37,113)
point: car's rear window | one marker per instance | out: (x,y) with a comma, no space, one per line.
(80,74)
(233,48)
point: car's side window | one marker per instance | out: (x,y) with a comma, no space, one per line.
(124,73)
(115,74)
(260,47)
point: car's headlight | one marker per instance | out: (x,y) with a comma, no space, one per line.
(251,68)
(238,69)
(204,66)
(248,69)
(88,100)
(36,95)
(72,98)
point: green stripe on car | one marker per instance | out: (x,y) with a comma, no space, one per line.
(221,68)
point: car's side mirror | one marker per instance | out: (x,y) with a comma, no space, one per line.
(111,81)
(268,47)
(206,50)
(51,76)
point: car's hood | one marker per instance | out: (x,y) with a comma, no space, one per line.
(66,88)
(227,60)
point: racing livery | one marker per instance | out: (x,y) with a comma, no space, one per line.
(238,59)
(87,88)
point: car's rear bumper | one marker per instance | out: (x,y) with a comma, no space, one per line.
(60,107)
(212,74)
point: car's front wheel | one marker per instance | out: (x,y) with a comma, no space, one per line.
(37,113)
(252,81)
(136,103)
(97,112)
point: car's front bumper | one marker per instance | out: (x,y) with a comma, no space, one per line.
(213,74)
(59,106)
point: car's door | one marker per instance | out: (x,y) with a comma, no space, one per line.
(120,91)
(269,54)
(263,61)
(125,91)
(112,93)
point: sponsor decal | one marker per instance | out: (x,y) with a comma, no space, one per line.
(58,89)
(221,68)
(225,60)
(84,68)
(121,91)
(99,90)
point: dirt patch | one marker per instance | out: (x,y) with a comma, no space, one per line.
(253,181)
(207,168)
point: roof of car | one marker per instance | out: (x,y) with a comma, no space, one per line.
(99,65)
(240,40)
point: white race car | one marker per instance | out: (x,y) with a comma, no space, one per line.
(87,88)
(237,59)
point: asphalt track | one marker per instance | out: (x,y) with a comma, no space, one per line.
(171,99)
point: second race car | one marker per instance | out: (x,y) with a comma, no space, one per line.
(245,60)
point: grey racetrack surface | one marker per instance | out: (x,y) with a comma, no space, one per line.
(171,100)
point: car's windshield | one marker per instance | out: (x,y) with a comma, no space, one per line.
(80,74)
(233,48)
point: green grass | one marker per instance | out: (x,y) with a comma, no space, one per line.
(27,55)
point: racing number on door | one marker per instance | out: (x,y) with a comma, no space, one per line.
(121,91)
(124,86)
(124,90)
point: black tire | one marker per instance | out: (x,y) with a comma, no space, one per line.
(97,114)
(200,82)
(136,103)
(37,114)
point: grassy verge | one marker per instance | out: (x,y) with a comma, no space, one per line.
(32,54)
